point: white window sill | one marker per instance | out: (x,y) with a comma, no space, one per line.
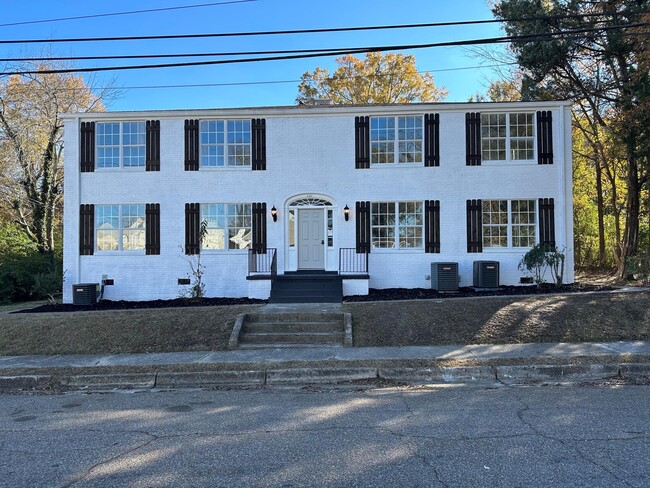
(505,250)
(408,250)
(223,252)
(225,168)
(119,253)
(120,168)
(528,162)
(396,165)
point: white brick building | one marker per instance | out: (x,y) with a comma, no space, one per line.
(423,183)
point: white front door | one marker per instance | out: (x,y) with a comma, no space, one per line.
(311,239)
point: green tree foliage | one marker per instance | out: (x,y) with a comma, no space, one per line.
(379,78)
(500,91)
(25,273)
(599,70)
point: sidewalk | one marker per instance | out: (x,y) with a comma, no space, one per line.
(486,364)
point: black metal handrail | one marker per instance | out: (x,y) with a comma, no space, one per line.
(352,262)
(263,263)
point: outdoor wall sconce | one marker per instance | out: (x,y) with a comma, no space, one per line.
(274,213)
(346,213)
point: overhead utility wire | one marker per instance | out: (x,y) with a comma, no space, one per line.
(130,12)
(298,31)
(491,40)
(269,82)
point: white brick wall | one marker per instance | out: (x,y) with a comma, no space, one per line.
(309,151)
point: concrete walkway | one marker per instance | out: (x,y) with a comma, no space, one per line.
(487,364)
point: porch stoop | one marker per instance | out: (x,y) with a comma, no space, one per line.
(292,329)
(307,287)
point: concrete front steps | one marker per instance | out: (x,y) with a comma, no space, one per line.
(307,287)
(293,329)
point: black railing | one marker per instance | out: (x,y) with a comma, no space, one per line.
(263,264)
(352,262)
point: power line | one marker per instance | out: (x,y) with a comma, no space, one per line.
(268,82)
(130,12)
(298,31)
(568,34)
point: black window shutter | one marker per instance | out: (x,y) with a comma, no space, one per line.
(258,144)
(473,138)
(259,228)
(192,226)
(363,227)
(544,137)
(87,149)
(474,226)
(191,145)
(86,229)
(432,140)
(547,222)
(152,228)
(432,226)
(152,160)
(362,142)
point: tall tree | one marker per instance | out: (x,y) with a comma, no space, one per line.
(599,70)
(379,78)
(31,145)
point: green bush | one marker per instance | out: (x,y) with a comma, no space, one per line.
(26,274)
(540,258)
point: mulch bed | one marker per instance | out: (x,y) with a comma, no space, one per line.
(374,295)
(127,305)
(388,294)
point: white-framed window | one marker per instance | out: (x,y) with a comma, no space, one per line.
(120,144)
(396,139)
(507,136)
(509,223)
(397,225)
(225,143)
(120,227)
(229,226)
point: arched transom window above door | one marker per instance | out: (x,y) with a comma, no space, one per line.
(311,202)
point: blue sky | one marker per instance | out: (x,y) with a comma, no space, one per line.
(250,16)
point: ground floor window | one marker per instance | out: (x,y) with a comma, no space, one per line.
(228,226)
(120,227)
(397,225)
(509,223)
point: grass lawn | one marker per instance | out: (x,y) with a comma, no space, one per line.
(544,318)
(499,320)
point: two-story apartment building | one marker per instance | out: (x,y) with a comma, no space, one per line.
(377,192)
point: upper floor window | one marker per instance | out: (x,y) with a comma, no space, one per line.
(396,140)
(120,227)
(225,143)
(121,144)
(509,223)
(397,225)
(229,226)
(507,137)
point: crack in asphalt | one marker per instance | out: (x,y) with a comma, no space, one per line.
(565,442)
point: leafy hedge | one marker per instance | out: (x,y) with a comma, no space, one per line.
(26,274)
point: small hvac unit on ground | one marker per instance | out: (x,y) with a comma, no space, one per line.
(444,276)
(486,274)
(85,293)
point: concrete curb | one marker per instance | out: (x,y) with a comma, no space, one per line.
(539,374)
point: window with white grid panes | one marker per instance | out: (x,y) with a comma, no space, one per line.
(397,225)
(524,222)
(396,140)
(495,223)
(409,135)
(228,226)
(120,227)
(507,137)
(225,143)
(509,223)
(120,144)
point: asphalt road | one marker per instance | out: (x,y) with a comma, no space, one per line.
(455,437)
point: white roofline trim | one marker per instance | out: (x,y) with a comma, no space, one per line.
(327,110)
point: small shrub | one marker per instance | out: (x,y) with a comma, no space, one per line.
(638,267)
(540,258)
